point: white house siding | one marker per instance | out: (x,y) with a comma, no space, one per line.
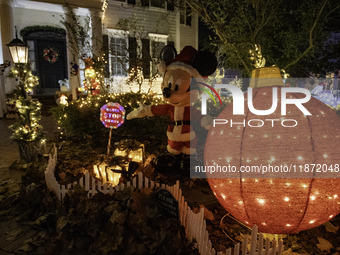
(24,17)
(154,20)
(189,34)
(28,17)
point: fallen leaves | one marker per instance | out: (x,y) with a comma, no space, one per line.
(13,234)
(8,188)
(330,227)
(324,245)
(129,222)
(208,215)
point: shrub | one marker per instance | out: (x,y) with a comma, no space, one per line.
(81,119)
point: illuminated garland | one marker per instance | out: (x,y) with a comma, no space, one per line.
(26,128)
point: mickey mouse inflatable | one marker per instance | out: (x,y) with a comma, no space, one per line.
(180,88)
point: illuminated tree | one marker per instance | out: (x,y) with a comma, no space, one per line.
(27,132)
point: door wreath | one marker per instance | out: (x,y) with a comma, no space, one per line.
(51,55)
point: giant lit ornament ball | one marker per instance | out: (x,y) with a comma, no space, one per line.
(277,204)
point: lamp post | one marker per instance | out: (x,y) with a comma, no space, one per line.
(26,130)
(19,53)
(18,50)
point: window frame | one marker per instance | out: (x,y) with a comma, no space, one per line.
(33,52)
(184,14)
(151,7)
(162,38)
(119,34)
(123,2)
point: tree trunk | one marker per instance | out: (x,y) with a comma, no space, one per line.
(29,150)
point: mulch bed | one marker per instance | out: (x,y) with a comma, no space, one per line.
(129,222)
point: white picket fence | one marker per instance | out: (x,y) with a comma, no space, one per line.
(194,223)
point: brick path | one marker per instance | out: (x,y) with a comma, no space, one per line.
(12,234)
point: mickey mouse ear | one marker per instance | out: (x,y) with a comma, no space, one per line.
(168,53)
(205,62)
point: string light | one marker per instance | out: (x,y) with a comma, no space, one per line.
(256,56)
(27,127)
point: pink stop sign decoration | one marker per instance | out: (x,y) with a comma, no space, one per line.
(112,115)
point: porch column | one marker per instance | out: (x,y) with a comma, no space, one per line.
(72,54)
(97,32)
(3,106)
(6,35)
(6,27)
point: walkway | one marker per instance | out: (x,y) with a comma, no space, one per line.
(13,236)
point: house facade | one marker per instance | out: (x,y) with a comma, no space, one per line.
(52,56)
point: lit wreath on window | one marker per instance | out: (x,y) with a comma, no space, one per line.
(51,55)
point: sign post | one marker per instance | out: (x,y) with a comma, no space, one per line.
(112,116)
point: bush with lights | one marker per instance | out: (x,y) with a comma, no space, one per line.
(26,130)
(81,119)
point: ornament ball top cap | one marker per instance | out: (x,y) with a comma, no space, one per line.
(266,77)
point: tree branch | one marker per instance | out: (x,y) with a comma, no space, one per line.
(311,37)
(264,21)
(195,5)
(245,17)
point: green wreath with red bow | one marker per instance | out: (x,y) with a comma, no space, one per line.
(51,55)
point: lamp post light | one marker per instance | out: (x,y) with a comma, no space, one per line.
(18,50)
(19,53)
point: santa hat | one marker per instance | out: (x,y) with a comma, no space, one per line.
(198,64)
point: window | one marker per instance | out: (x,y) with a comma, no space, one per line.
(157,42)
(182,12)
(126,1)
(158,4)
(156,48)
(188,15)
(31,54)
(118,56)
(118,52)
(185,13)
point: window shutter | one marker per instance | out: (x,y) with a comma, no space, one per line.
(106,57)
(146,58)
(132,53)
(188,15)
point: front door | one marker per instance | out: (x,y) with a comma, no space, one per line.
(51,63)
(47,53)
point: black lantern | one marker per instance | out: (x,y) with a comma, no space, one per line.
(18,50)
